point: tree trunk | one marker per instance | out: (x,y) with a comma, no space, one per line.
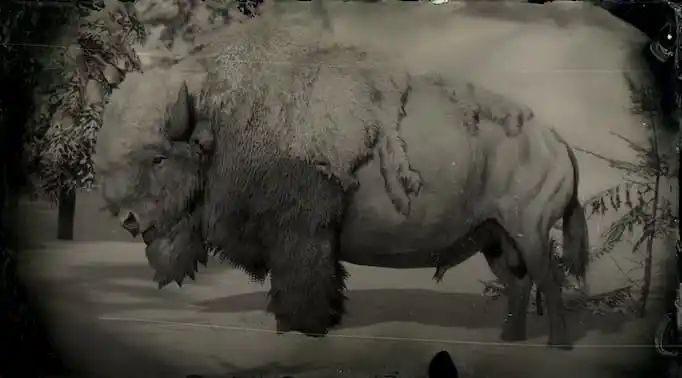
(646,286)
(67,214)
(648,261)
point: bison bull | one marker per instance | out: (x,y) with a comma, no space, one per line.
(255,163)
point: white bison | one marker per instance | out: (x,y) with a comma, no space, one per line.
(270,160)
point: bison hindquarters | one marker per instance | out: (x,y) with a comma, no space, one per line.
(307,278)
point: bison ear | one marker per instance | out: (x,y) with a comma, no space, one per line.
(179,115)
(203,136)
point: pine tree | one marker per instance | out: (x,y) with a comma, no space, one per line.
(91,57)
(644,211)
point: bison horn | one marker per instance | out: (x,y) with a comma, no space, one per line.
(203,136)
(178,123)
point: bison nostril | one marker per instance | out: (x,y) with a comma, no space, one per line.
(131,224)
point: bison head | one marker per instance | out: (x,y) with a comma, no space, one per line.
(150,156)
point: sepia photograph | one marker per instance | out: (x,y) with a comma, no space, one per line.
(328,188)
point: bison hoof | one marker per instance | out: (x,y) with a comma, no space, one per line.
(335,319)
(560,341)
(285,326)
(314,335)
(560,346)
(513,335)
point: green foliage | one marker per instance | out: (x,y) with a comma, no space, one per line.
(94,54)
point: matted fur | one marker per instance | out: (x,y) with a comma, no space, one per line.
(327,104)
(271,194)
(478,103)
(307,124)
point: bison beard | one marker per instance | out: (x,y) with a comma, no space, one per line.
(176,254)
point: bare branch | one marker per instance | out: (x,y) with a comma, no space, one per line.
(626,275)
(632,144)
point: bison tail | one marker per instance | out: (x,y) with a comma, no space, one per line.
(576,237)
(576,240)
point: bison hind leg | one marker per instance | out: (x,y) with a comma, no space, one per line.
(535,251)
(507,264)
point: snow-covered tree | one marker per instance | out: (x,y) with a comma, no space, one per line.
(95,54)
(90,58)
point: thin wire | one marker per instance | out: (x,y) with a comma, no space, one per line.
(215,55)
(274,63)
(363,337)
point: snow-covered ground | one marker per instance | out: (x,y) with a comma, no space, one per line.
(568,61)
(217,325)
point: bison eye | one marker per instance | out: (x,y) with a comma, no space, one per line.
(158,159)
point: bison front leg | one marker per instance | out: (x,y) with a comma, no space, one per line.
(307,282)
(307,278)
